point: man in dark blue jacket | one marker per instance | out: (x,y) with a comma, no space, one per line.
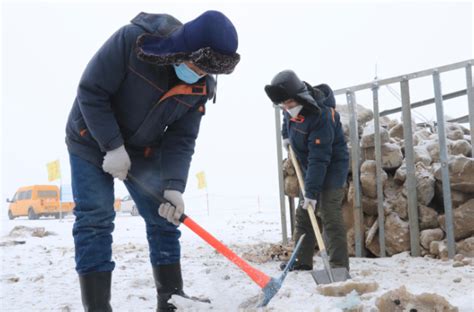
(312,127)
(137,112)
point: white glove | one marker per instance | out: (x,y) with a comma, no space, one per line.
(117,163)
(286,143)
(309,201)
(172,212)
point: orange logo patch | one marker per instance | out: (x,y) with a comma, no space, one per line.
(317,141)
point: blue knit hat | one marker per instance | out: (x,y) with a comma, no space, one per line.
(209,41)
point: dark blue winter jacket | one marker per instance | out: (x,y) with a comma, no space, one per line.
(317,139)
(124,100)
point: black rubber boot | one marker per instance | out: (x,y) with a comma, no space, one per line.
(168,281)
(95,291)
(296,267)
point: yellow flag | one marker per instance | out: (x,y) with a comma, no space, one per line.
(201,176)
(54,171)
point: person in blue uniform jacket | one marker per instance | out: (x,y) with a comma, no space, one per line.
(137,112)
(312,127)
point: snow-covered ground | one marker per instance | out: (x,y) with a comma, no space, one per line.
(39,274)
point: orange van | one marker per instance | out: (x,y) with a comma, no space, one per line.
(36,201)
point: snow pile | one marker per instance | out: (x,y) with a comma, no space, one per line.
(344,288)
(25,231)
(401,300)
(264,252)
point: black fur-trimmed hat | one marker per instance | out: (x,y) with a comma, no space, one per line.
(286,85)
(209,41)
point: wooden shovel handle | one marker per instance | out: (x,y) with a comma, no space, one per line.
(312,217)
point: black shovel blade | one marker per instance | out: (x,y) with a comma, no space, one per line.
(322,276)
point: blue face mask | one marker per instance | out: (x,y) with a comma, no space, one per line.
(186,74)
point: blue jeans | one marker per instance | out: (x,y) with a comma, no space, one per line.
(93,191)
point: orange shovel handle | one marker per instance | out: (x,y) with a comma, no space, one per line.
(257,276)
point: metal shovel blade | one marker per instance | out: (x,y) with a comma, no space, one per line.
(274,285)
(322,276)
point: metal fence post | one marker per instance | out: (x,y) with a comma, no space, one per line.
(410,165)
(378,160)
(443,155)
(470,100)
(355,154)
(291,202)
(280,175)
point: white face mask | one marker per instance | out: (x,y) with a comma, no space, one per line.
(295,110)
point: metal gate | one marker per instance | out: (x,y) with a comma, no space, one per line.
(406,106)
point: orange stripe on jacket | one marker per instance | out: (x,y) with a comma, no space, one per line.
(184,89)
(147,152)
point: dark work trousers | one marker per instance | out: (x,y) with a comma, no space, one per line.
(329,211)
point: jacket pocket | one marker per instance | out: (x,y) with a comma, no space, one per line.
(77,131)
(80,126)
(151,130)
(298,138)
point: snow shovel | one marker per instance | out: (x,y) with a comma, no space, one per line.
(269,285)
(328,275)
